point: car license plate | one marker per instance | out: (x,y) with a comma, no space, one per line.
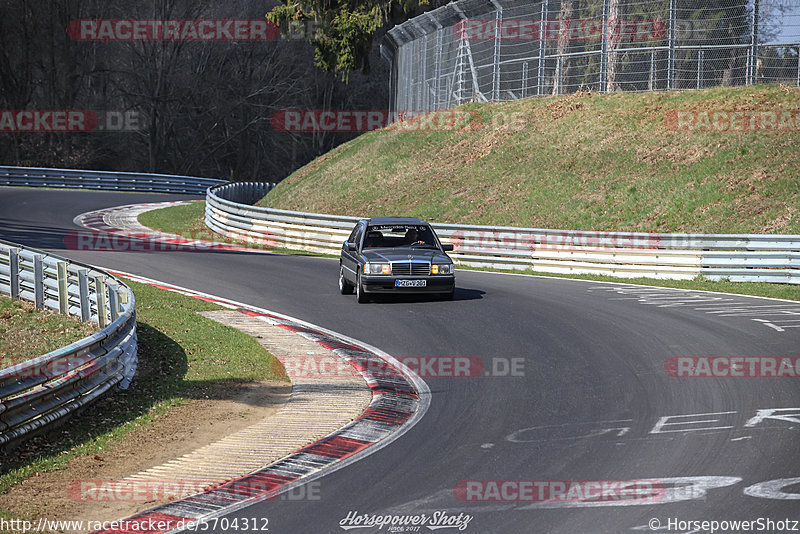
(410,283)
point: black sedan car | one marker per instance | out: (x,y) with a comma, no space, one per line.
(395,255)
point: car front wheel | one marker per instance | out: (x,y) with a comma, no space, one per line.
(361,297)
(345,288)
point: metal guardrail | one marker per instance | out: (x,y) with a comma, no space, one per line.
(39,392)
(740,258)
(104,180)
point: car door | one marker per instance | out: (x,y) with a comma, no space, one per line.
(350,259)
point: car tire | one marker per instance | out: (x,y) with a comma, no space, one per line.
(345,287)
(361,296)
(449,295)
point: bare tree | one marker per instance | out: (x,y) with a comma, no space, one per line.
(614,36)
(564,64)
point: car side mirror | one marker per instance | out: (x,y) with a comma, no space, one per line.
(352,247)
(447,248)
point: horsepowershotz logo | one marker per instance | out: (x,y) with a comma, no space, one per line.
(406,523)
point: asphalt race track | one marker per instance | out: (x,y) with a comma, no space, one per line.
(590,401)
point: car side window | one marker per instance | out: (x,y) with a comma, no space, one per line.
(357,237)
(352,238)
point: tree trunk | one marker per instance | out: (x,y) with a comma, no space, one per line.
(614,37)
(564,64)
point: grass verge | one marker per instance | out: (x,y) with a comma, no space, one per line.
(26,332)
(182,356)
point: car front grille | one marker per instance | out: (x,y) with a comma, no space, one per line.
(413,268)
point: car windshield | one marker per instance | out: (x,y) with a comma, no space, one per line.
(399,235)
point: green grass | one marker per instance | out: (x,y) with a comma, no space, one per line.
(188,221)
(185,220)
(583,162)
(182,356)
(26,332)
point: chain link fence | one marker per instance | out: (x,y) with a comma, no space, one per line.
(494,50)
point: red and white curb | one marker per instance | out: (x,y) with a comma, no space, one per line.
(400,398)
(117,229)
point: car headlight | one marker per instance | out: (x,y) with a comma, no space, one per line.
(377,268)
(446,268)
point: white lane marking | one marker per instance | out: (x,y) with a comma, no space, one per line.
(773,489)
(719,306)
(769,324)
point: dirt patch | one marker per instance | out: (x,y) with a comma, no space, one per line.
(181,430)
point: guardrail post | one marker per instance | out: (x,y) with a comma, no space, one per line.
(102,303)
(38,281)
(113,302)
(63,294)
(13,265)
(83,290)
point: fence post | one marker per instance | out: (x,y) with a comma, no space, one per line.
(63,294)
(13,265)
(671,57)
(496,68)
(438,70)
(604,49)
(699,68)
(540,75)
(424,92)
(525,79)
(754,45)
(100,290)
(83,291)
(38,281)
(651,83)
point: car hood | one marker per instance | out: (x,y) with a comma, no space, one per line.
(403,253)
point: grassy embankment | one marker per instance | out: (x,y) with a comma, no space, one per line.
(583,162)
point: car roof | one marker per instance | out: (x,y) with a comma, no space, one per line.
(395,220)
